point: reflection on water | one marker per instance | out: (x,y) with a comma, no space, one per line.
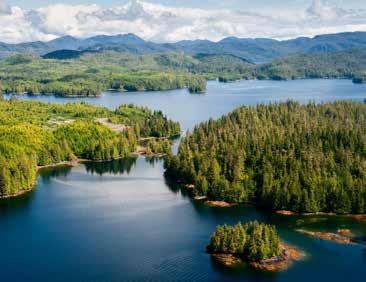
(115,167)
(8,206)
(48,173)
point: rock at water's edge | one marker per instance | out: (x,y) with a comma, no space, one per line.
(220,204)
(328,236)
(279,263)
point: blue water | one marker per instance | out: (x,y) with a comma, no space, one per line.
(221,98)
(123,221)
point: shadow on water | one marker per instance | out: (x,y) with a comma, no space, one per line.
(154,160)
(48,173)
(18,203)
(176,187)
(115,167)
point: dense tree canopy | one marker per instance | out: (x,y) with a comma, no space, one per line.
(251,241)
(306,158)
(34,134)
(315,65)
(93,73)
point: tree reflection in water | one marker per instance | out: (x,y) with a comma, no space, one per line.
(115,167)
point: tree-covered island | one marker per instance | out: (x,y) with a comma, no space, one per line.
(303,158)
(253,242)
(34,135)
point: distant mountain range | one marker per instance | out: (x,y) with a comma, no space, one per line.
(255,50)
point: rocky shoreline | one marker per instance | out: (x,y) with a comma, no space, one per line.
(219,204)
(341,237)
(282,262)
(360,217)
(66,163)
(16,194)
(290,213)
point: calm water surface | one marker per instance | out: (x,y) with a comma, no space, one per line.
(123,221)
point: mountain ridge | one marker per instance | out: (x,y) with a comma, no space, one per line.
(257,50)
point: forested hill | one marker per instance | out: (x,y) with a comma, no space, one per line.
(256,50)
(34,134)
(307,158)
(348,64)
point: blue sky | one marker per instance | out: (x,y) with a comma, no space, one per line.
(175,20)
(257,5)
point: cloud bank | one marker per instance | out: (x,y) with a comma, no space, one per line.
(161,23)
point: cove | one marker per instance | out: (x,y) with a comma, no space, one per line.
(123,221)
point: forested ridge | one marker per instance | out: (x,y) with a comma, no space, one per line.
(304,158)
(329,65)
(35,134)
(349,64)
(252,241)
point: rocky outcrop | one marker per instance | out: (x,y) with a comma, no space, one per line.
(220,204)
(328,236)
(287,256)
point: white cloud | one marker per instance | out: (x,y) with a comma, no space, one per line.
(168,24)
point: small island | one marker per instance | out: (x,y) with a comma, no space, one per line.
(255,243)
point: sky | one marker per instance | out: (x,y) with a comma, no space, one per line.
(171,21)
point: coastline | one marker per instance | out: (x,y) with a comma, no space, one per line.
(75,163)
(19,193)
(60,164)
(361,217)
(224,204)
(288,255)
(340,237)
(39,168)
(99,94)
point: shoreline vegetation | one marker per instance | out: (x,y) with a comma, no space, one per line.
(35,135)
(298,159)
(254,243)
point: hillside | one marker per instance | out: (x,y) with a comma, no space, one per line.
(346,64)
